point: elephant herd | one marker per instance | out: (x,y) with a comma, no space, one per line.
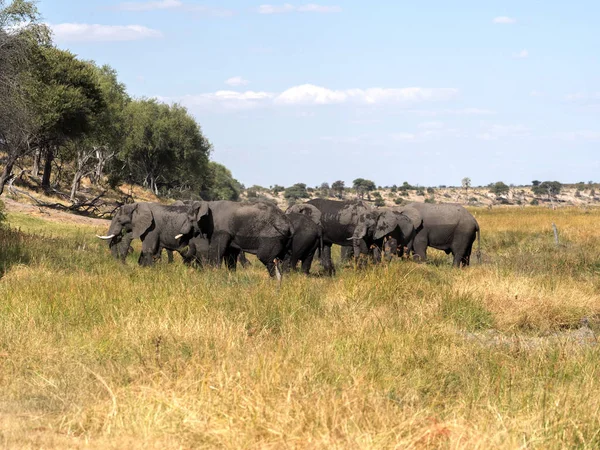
(213,232)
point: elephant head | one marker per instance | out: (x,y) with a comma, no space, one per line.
(195,213)
(308,210)
(378,224)
(135,218)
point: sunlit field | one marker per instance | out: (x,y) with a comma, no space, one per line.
(97,354)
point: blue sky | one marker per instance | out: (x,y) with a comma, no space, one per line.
(424,92)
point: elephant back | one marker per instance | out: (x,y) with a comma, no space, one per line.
(310,211)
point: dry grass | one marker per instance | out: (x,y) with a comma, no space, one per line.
(96,354)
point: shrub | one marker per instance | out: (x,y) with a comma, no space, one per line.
(251,193)
(430,190)
(534,202)
(379,202)
(398,200)
(430,200)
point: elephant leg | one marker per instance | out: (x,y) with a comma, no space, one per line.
(375,254)
(218,247)
(307,262)
(326,260)
(170,256)
(420,250)
(462,255)
(150,250)
(231,257)
(270,255)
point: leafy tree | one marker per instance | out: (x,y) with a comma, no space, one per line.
(338,188)
(499,188)
(20,33)
(550,188)
(223,185)
(106,135)
(536,183)
(363,187)
(324,190)
(64,95)
(466,184)
(296,192)
(165,146)
(277,189)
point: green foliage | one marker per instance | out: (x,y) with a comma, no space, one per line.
(338,188)
(379,201)
(430,200)
(534,202)
(549,188)
(2,212)
(165,147)
(276,189)
(295,192)
(398,200)
(535,183)
(222,184)
(430,190)
(363,186)
(499,188)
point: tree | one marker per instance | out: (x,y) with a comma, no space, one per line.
(535,182)
(164,147)
(223,185)
(550,188)
(363,187)
(276,189)
(499,188)
(20,32)
(338,188)
(106,135)
(64,95)
(295,192)
(324,190)
(466,184)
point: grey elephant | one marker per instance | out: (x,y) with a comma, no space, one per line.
(258,228)
(155,224)
(306,240)
(356,224)
(447,227)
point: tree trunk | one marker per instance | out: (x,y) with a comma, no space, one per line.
(75,185)
(7,172)
(35,170)
(47,168)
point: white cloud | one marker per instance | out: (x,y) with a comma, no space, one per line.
(504,20)
(173,5)
(495,132)
(452,112)
(236,81)
(584,99)
(580,135)
(149,6)
(537,94)
(83,32)
(523,54)
(309,94)
(228,100)
(288,8)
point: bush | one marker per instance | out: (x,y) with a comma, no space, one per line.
(251,193)
(534,202)
(379,202)
(430,200)
(398,200)
(430,190)
(114,180)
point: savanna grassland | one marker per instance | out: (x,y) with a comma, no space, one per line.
(95,354)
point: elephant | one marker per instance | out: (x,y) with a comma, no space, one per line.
(153,223)
(198,248)
(448,227)
(258,228)
(307,238)
(356,224)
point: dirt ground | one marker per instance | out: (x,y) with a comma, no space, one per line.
(52,214)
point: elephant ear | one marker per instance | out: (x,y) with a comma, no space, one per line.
(364,222)
(387,221)
(413,215)
(142,220)
(200,210)
(312,212)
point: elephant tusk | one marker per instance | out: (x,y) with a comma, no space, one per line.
(106,238)
(179,236)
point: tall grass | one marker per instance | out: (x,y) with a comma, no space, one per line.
(96,353)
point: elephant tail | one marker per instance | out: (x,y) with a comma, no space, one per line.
(478,230)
